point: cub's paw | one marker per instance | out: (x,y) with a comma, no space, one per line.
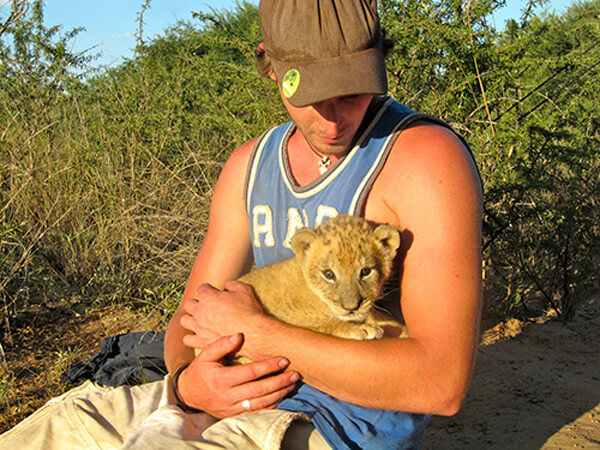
(366,331)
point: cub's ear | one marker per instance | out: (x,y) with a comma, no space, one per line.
(389,238)
(302,240)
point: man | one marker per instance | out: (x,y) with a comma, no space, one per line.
(347,149)
(327,60)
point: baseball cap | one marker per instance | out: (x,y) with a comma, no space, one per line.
(321,49)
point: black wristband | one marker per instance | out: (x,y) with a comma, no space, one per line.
(185,408)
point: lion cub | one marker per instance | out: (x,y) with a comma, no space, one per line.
(332,282)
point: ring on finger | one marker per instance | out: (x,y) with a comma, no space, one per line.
(246,405)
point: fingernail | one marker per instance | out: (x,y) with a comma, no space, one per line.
(283,363)
(295,377)
(234,337)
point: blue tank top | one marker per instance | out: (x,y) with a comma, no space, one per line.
(277,207)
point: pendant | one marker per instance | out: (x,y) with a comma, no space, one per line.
(324,164)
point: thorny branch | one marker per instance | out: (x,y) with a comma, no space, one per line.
(18,9)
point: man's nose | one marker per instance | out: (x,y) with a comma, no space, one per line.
(330,109)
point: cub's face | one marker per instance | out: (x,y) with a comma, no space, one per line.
(345,262)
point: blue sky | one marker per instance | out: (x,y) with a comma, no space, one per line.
(110,25)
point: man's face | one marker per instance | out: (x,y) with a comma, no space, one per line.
(329,126)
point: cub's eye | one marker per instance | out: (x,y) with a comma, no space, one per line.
(328,275)
(365,271)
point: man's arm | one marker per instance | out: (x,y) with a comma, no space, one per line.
(207,384)
(430,191)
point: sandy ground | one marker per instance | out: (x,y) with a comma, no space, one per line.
(536,385)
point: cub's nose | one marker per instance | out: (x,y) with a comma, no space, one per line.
(352,304)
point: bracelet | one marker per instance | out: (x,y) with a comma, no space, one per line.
(180,403)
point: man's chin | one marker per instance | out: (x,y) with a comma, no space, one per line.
(338,149)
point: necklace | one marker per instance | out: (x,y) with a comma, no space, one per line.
(324,161)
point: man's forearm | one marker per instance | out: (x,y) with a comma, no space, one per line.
(176,353)
(398,374)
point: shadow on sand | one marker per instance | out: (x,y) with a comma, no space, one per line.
(539,389)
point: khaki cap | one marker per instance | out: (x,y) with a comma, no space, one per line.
(324,49)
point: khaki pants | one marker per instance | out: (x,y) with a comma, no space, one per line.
(145,417)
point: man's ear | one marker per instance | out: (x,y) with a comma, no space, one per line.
(302,240)
(261,49)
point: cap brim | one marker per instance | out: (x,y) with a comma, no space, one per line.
(351,74)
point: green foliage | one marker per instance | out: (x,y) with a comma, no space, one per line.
(36,70)
(432,68)
(543,185)
(105,182)
(525,100)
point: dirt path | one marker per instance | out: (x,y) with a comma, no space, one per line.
(536,385)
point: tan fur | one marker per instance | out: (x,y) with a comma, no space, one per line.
(358,255)
(298,291)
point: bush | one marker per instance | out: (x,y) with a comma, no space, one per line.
(106,180)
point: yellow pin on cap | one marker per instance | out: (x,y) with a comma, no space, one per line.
(290,83)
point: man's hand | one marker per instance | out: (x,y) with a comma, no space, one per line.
(214,313)
(219,390)
(216,319)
